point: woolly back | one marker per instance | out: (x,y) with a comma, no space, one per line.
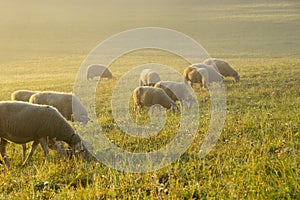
(213,74)
(98,70)
(22,95)
(163,98)
(153,77)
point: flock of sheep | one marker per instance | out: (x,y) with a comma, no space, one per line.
(42,116)
(153,91)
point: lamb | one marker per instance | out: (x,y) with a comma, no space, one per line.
(67,104)
(191,74)
(22,95)
(212,74)
(148,77)
(95,70)
(149,96)
(223,67)
(22,122)
(177,92)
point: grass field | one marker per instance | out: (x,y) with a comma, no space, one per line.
(257,155)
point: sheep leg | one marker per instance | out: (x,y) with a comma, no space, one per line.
(203,84)
(24,152)
(135,107)
(186,80)
(44,144)
(141,83)
(3,144)
(33,147)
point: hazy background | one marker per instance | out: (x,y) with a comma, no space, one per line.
(226,28)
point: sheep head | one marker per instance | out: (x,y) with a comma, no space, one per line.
(75,143)
(237,78)
(174,108)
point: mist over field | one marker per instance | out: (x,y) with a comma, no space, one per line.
(228,28)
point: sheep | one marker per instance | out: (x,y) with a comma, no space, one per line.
(66,103)
(148,77)
(176,91)
(223,67)
(22,122)
(212,74)
(149,96)
(191,74)
(22,95)
(95,70)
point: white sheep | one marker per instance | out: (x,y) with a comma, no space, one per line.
(148,77)
(22,95)
(66,103)
(22,122)
(191,74)
(149,96)
(96,70)
(212,74)
(223,67)
(177,92)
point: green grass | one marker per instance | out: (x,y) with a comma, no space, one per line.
(257,155)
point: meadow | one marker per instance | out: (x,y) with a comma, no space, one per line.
(257,154)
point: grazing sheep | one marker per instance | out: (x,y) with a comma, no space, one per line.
(212,74)
(149,96)
(223,67)
(64,103)
(22,95)
(191,74)
(176,91)
(22,122)
(95,70)
(148,77)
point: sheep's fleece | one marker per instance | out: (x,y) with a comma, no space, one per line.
(64,102)
(22,122)
(148,77)
(96,70)
(149,96)
(22,95)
